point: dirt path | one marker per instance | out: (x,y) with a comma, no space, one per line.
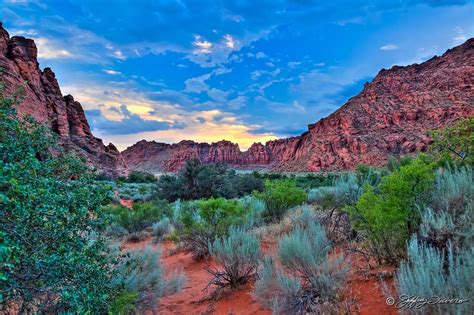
(195,299)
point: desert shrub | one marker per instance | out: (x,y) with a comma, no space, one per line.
(141,216)
(115,230)
(140,276)
(135,191)
(429,272)
(255,208)
(49,213)
(279,196)
(140,177)
(198,181)
(454,145)
(344,191)
(161,228)
(237,257)
(449,216)
(203,221)
(387,214)
(309,280)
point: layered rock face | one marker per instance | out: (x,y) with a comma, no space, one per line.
(42,98)
(390,116)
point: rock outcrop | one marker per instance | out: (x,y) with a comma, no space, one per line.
(390,116)
(42,98)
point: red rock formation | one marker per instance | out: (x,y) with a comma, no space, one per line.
(391,116)
(42,98)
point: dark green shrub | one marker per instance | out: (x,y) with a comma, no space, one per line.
(52,255)
(203,221)
(237,257)
(198,181)
(141,177)
(309,280)
(387,214)
(279,196)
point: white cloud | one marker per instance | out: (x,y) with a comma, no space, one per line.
(47,49)
(197,84)
(119,55)
(237,102)
(260,55)
(389,47)
(293,64)
(229,41)
(112,72)
(203,46)
(218,95)
(460,36)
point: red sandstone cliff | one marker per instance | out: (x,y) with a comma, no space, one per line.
(390,116)
(42,98)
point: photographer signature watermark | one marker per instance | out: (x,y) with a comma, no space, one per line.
(416,302)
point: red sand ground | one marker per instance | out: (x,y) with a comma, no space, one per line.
(195,299)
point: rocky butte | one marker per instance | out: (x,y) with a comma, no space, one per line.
(390,116)
(42,98)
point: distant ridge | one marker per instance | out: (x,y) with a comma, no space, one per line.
(390,116)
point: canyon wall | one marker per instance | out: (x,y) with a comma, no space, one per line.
(42,98)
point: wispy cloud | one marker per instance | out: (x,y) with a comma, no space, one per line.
(111,72)
(389,47)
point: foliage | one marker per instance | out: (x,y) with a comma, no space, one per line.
(255,209)
(141,274)
(134,191)
(203,221)
(429,272)
(140,177)
(449,217)
(309,280)
(141,216)
(51,253)
(279,196)
(237,256)
(196,181)
(344,191)
(387,214)
(161,228)
(454,144)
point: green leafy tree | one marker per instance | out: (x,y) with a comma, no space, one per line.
(455,144)
(52,258)
(279,196)
(387,214)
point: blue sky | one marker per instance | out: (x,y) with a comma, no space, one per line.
(239,70)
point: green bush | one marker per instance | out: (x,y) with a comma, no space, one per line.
(309,281)
(203,221)
(429,272)
(455,144)
(387,214)
(255,209)
(279,196)
(53,258)
(141,216)
(140,177)
(237,257)
(198,181)
(345,190)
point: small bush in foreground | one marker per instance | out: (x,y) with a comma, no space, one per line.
(429,272)
(279,196)
(140,276)
(309,282)
(237,256)
(203,221)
